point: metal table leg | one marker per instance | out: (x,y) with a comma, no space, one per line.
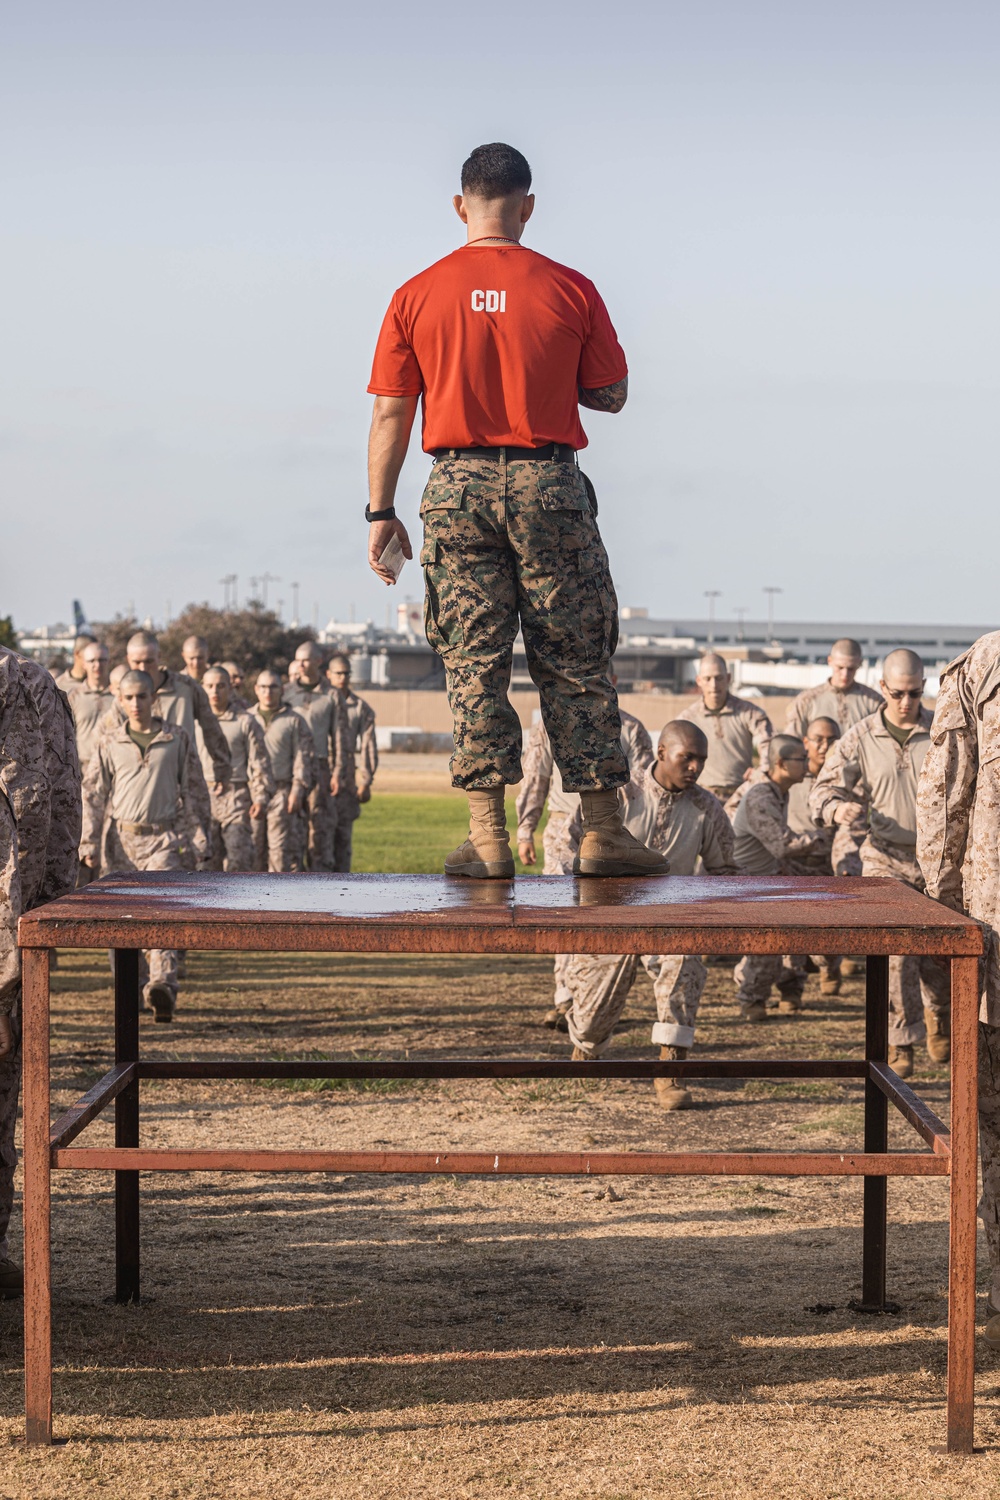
(962,1247)
(876,1137)
(127,1126)
(37,1225)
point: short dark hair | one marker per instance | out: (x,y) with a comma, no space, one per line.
(496,171)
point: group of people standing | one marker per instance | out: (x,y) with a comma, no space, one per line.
(834,794)
(180,772)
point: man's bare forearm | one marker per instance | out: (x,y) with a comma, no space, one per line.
(392,421)
(606,397)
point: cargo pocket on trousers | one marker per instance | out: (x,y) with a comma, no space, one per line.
(442,633)
(441,497)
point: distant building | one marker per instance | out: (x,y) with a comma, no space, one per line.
(804,641)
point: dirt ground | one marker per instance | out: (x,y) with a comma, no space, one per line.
(362,1336)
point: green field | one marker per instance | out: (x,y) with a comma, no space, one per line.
(406,833)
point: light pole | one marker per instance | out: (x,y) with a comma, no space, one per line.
(295,605)
(770,591)
(265,579)
(711,595)
(740,612)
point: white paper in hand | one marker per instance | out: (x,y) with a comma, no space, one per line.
(392,558)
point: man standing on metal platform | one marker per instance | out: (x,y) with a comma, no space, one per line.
(503,346)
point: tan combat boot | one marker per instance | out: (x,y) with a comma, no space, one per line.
(849,967)
(670,1092)
(607,847)
(901,1061)
(555,1020)
(829,981)
(754,1010)
(938,1037)
(578,1055)
(485,855)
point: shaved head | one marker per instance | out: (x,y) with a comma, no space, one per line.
(781,747)
(308,651)
(268,679)
(712,662)
(846,647)
(117,673)
(218,674)
(823,726)
(134,679)
(713,681)
(142,638)
(679,732)
(902,663)
(195,643)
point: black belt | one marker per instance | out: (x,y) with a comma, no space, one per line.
(555,452)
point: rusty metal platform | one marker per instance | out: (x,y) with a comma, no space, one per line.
(435,914)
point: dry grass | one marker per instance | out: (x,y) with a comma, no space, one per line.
(359,1337)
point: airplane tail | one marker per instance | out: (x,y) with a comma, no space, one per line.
(79,618)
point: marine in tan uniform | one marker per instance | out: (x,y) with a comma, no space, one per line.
(840,698)
(181,700)
(543,783)
(251,785)
(733,727)
(311,697)
(958,835)
(869,783)
(765,845)
(288,740)
(194,654)
(75,674)
(238,701)
(88,703)
(667,811)
(39,829)
(354,773)
(138,811)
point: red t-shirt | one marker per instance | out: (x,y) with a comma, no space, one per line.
(497,339)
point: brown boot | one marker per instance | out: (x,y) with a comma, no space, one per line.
(829,981)
(670,1092)
(901,1061)
(754,1010)
(485,855)
(849,967)
(790,1003)
(578,1055)
(938,1036)
(555,1020)
(607,847)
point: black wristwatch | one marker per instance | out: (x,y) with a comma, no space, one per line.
(380,515)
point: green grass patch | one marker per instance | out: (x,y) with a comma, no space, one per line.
(766,1088)
(333,1085)
(409,833)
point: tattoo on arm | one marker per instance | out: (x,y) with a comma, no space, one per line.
(606,397)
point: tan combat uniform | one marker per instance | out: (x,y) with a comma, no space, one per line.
(543,781)
(732,733)
(66,682)
(845,706)
(685,826)
(869,768)
(766,845)
(88,707)
(321,711)
(147,796)
(290,750)
(355,769)
(958,836)
(250,782)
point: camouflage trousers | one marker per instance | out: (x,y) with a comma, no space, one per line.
(319,822)
(346,811)
(601,985)
(915,982)
(757,973)
(511,546)
(148,851)
(989,1141)
(559,855)
(277,835)
(232,836)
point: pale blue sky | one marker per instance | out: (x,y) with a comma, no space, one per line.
(790,209)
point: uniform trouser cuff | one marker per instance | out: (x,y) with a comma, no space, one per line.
(666,1034)
(587,1047)
(906,1035)
(563,999)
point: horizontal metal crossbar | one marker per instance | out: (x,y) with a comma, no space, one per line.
(924,1121)
(504,1067)
(89,1105)
(513,1163)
